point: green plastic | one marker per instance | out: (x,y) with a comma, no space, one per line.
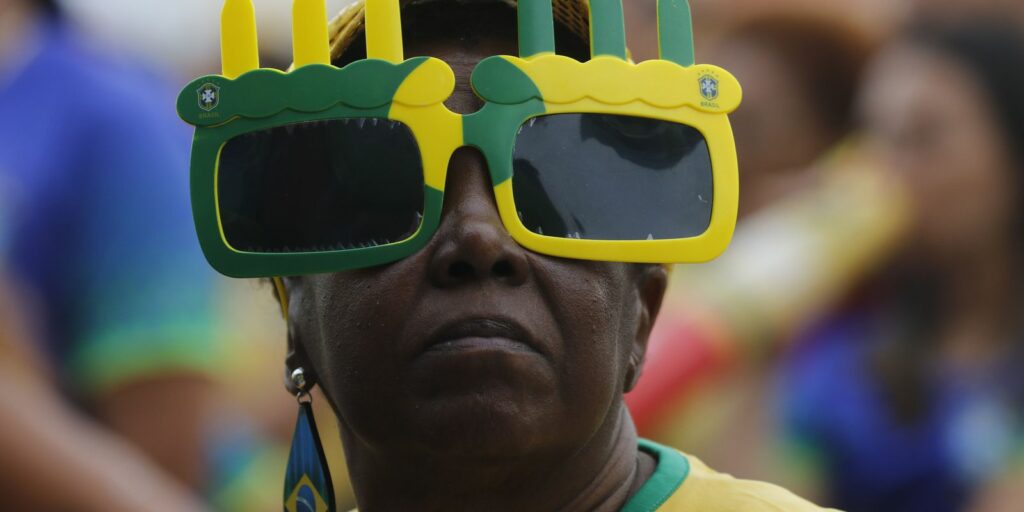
(512,99)
(536,27)
(270,98)
(675,31)
(496,80)
(222,109)
(262,93)
(358,90)
(607,29)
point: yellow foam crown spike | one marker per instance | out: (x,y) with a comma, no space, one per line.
(239,50)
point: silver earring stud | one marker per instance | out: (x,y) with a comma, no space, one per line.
(299,379)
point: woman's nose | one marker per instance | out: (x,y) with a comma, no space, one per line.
(472,244)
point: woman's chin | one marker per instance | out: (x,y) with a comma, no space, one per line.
(495,421)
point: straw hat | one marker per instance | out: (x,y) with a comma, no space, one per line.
(343,29)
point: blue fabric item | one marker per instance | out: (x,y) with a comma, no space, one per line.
(307,483)
(94,165)
(5,221)
(834,406)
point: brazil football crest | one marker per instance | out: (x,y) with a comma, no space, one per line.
(709,87)
(209,96)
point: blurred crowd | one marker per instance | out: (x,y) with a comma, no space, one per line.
(862,340)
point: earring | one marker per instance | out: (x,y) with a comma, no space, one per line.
(307,480)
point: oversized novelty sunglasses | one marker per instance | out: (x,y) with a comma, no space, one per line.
(323,169)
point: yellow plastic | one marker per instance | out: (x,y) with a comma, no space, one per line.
(282,296)
(613,82)
(700,96)
(609,85)
(384,31)
(309,33)
(419,104)
(238,44)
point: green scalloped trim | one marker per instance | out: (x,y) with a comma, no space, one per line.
(261,93)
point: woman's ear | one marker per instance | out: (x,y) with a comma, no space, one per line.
(651,282)
(296,356)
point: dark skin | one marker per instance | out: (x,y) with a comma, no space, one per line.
(475,374)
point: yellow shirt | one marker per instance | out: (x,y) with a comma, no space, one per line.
(682,483)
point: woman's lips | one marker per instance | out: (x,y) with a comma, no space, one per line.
(478,343)
(479,334)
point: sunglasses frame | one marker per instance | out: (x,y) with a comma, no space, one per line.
(413,92)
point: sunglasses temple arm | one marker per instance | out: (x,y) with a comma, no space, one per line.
(282,296)
(384,31)
(675,32)
(239,49)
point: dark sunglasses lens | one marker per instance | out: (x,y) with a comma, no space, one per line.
(320,186)
(612,177)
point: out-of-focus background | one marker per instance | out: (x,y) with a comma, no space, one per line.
(861,342)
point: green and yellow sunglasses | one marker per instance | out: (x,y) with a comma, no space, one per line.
(323,169)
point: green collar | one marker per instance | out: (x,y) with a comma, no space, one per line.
(671,472)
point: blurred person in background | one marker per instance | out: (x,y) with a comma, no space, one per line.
(801,70)
(94,165)
(804,197)
(52,458)
(911,398)
(938,11)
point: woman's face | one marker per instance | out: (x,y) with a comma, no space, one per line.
(474,346)
(931,122)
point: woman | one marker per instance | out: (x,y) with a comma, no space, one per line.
(911,399)
(468,373)
(801,71)
(97,470)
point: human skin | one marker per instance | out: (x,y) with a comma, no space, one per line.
(930,120)
(165,415)
(778,132)
(934,123)
(954,10)
(63,460)
(522,409)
